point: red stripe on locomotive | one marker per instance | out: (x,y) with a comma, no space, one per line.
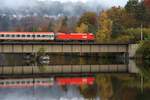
(75,81)
(75,36)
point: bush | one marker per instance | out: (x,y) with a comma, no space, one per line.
(144,50)
(136,33)
(123,39)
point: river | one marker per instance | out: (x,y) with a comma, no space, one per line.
(131,85)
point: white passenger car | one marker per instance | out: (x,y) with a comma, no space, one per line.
(27,36)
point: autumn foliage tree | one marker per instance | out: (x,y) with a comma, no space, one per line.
(61,25)
(89,19)
(83,28)
(105,28)
(147,3)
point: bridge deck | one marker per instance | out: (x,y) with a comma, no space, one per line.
(63,48)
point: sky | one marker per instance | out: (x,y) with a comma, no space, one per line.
(105,2)
(56,8)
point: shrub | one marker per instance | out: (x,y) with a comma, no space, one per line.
(144,50)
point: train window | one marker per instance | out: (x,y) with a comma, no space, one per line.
(2,35)
(23,82)
(17,35)
(45,35)
(7,35)
(2,83)
(38,36)
(12,82)
(38,81)
(23,35)
(33,35)
(28,82)
(28,35)
(7,82)
(12,35)
(42,35)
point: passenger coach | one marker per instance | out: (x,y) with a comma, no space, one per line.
(27,36)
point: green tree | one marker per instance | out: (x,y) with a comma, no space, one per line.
(139,10)
(89,19)
(105,28)
(121,20)
(131,6)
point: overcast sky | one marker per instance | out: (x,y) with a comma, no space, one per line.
(105,2)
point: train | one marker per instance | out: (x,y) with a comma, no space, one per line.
(46,82)
(46,36)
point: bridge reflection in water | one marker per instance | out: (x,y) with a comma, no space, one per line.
(60,69)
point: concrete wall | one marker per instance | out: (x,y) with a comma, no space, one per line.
(132,50)
(132,67)
(63,48)
(54,69)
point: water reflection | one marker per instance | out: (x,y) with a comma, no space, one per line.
(133,85)
(61,59)
(144,68)
(54,92)
(106,87)
(50,93)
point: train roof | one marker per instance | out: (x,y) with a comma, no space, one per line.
(26,33)
(74,33)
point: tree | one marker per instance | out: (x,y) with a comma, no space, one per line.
(131,6)
(83,28)
(105,86)
(89,19)
(105,30)
(147,3)
(121,20)
(139,10)
(61,25)
(64,25)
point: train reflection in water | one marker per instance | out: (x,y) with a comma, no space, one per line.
(45,82)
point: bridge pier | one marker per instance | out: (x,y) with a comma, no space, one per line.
(132,50)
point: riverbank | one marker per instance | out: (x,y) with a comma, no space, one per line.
(143,50)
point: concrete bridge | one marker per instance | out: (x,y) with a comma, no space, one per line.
(128,49)
(66,48)
(60,70)
(20,71)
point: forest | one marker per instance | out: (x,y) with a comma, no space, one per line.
(115,25)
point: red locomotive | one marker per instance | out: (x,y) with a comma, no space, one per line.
(75,36)
(75,81)
(48,36)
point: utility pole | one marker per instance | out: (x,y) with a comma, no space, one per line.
(142,83)
(141,23)
(141,32)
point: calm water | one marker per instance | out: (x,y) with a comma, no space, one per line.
(107,86)
(60,59)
